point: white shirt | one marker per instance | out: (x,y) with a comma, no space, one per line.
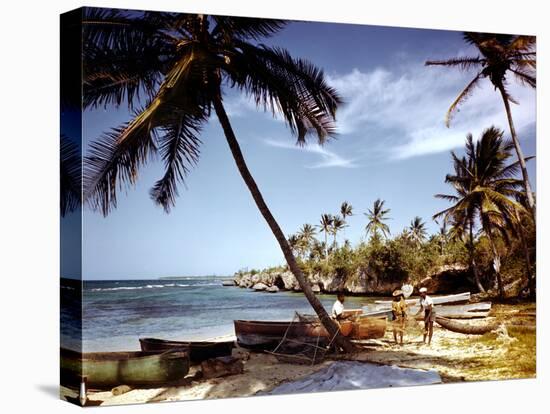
(426,302)
(337,309)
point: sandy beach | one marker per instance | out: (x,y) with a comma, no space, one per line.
(456,357)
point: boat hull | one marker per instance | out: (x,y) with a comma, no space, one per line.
(104,370)
(198,350)
(267,335)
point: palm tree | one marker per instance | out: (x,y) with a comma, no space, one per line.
(417,231)
(346,210)
(443,237)
(306,236)
(500,55)
(376,216)
(326,227)
(177,66)
(338,224)
(484,187)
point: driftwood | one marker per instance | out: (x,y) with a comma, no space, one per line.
(465,328)
(221,366)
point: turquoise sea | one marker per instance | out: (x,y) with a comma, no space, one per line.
(116,313)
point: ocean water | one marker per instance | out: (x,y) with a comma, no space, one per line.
(116,313)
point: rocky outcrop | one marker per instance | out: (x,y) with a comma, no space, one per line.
(444,279)
(449,279)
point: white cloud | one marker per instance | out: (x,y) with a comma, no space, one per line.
(327,158)
(409,104)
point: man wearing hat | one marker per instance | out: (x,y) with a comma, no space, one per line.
(399,313)
(427,305)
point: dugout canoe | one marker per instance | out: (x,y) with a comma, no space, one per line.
(105,370)
(198,350)
(465,328)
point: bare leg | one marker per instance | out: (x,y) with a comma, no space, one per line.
(431,332)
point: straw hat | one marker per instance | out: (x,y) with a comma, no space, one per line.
(423,290)
(397,292)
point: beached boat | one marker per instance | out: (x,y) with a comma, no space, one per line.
(105,370)
(465,328)
(467,311)
(438,300)
(268,334)
(198,350)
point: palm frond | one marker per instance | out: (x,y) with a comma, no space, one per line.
(463,63)
(294,88)
(246,28)
(525,78)
(179,148)
(70,169)
(461,98)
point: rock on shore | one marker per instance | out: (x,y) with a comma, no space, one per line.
(446,279)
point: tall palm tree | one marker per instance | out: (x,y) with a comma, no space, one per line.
(500,55)
(306,234)
(376,216)
(325,226)
(338,224)
(417,231)
(346,210)
(484,186)
(443,236)
(172,70)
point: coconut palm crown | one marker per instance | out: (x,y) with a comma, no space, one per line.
(376,216)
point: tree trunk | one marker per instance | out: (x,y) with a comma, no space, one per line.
(473,263)
(519,152)
(496,265)
(525,248)
(326,248)
(327,322)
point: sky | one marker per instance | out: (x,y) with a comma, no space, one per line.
(392,144)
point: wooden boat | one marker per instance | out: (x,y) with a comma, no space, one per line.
(368,328)
(105,370)
(438,300)
(267,335)
(465,328)
(468,311)
(198,350)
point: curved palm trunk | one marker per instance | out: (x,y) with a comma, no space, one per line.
(519,152)
(327,322)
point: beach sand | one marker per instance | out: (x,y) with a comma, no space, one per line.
(455,356)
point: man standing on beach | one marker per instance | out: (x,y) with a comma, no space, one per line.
(427,305)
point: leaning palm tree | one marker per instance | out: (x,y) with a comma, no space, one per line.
(484,187)
(376,216)
(172,70)
(325,226)
(500,55)
(417,231)
(338,224)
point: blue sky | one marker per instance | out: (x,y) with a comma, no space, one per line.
(393,145)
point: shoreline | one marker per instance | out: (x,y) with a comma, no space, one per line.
(456,357)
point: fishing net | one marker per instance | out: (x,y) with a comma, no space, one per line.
(303,342)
